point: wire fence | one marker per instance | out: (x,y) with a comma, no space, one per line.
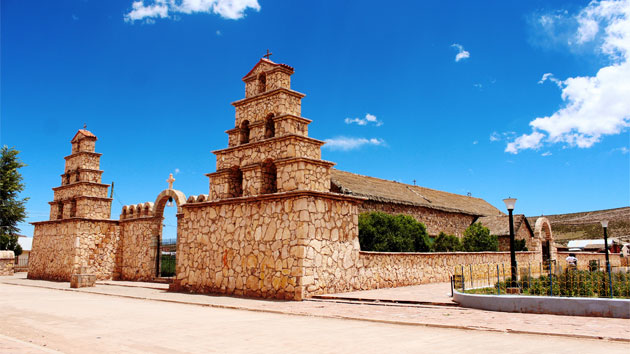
(545,279)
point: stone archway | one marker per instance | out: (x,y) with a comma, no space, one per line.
(166,252)
(544,237)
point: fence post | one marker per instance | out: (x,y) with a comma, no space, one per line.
(609,279)
(488,274)
(463,280)
(471,276)
(550,279)
(498,281)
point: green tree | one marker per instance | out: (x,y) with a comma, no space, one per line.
(477,238)
(446,243)
(520,245)
(392,233)
(12,209)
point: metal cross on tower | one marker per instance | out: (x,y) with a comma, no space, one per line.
(170,181)
(268,54)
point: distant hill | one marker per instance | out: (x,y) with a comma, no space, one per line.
(586,225)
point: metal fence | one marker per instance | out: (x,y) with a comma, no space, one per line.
(547,279)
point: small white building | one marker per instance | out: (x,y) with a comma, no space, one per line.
(21,263)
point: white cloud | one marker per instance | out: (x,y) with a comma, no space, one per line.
(177,171)
(478,85)
(547,153)
(346,143)
(369,119)
(501,136)
(594,106)
(475,142)
(219,33)
(624,150)
(149,10)
(461,53)
(550,77)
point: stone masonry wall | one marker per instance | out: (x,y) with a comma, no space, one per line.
(138,247)
(275,149)
(435,220)
(257,246)
(303,174)
(384,270)
(53,254)
(277,103)
(60,247)
(87,160)
(7,261)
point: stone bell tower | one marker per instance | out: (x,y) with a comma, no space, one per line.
(269,150)
(81,194)
(79,233)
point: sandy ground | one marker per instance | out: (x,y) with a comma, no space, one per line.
(38,320)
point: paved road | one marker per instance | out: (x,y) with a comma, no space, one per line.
(35,320)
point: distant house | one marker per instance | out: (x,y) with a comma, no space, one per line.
(596,245)
(21,263)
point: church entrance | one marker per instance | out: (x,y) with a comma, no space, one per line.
(167,210)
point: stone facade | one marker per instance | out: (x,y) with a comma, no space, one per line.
(7,261)
(271,225)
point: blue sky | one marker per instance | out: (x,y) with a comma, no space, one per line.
(438,92)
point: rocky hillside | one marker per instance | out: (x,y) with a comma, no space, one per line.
(586,225)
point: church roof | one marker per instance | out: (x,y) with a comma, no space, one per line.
(265,60)
(82,133)
(500,224)
(394,192)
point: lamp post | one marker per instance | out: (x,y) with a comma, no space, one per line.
(509,204)
(605,226)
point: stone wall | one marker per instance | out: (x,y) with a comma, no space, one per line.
(275,149)
(7,261)
(260,247)
(138,247)
(435,220)
(584,257)
(60,247)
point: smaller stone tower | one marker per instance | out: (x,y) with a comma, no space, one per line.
(79,232)
(81,194)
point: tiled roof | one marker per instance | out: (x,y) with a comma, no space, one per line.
(85,133)
(265,60)
(393,192)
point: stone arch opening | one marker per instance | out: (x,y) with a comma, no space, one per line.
(73,208)
(262,82)
(245,132)
(235,182)
(269,177)
(542,232)
(166,210)
(270,127)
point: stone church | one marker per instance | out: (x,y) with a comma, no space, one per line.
(277,221)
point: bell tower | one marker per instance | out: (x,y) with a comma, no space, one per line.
(269,150)
(81,194)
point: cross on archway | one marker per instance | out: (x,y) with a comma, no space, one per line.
(268,54)
(170,181)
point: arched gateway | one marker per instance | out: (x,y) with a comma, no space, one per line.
(542,233)
(144,250)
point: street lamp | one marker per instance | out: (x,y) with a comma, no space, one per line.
(509,204)
(605,226)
